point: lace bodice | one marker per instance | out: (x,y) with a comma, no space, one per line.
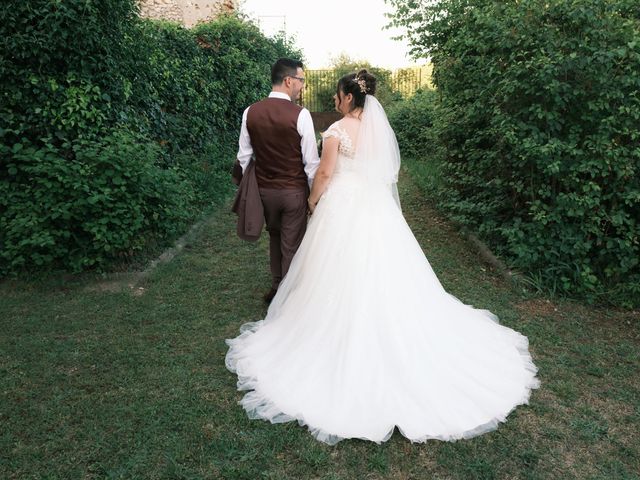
(346,149)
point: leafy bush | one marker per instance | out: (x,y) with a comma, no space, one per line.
(412,121)
(115,132)
(82,212)
(59,70)
(539,133)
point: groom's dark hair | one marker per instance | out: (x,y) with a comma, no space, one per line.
(284,67)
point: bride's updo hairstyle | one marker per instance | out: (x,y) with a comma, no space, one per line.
(359,85)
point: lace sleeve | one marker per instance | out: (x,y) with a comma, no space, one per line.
(332,131)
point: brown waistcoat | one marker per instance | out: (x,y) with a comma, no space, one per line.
(273,128)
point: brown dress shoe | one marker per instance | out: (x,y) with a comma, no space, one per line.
(269,295)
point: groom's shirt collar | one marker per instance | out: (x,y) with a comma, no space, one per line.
(279,95)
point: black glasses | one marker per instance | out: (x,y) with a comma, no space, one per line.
(298,78)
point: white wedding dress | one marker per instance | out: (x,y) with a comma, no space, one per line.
(361,336)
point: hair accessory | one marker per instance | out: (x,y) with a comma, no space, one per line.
(362,83)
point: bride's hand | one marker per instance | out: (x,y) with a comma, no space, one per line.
(311,205)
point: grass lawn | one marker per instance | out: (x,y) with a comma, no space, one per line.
(100,380)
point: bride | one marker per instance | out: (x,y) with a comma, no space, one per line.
(361,336)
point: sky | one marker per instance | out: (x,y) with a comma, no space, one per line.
(326,28)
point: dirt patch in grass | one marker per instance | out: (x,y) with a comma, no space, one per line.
(538,307)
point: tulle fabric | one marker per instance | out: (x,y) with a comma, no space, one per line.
(378,154)
(362,338)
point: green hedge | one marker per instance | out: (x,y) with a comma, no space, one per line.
(538,134)
(116,132)
(412,121)
(82,212)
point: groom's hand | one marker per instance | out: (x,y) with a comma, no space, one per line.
(236,173)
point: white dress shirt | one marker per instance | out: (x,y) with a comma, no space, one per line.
(307,141)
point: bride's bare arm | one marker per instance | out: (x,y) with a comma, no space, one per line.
(325,170)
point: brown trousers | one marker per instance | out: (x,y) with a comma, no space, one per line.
(285,213)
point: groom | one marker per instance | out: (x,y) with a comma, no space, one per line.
(279,134)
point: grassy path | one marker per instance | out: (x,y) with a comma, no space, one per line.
(102,383)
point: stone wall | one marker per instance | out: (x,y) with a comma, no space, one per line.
(186,12)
